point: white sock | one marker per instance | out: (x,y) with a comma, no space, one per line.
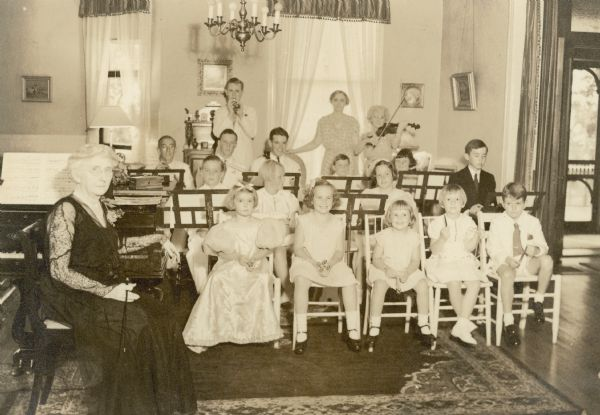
(508,319)
(423,322)
(538,298)
(352,324)
(375,324)
(301,334)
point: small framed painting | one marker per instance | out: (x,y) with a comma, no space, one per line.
(463,91)
(411,95)
(36,88)
(212,76)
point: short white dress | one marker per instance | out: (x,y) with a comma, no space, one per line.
(454,263)
(235,305)
(320,242)
(398,249)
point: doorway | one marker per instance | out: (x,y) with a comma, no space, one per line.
(582,198)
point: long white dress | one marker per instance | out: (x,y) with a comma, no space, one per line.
(235,305)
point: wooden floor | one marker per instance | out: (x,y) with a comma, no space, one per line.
(571,365)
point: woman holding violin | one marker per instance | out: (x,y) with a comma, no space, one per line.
(382,140)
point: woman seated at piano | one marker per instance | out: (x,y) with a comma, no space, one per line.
(134,337)
(381,141)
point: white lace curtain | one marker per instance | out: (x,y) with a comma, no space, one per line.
(309,60)
(120,43)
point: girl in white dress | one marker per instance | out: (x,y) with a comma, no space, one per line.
(235,305)
(454,237)
(277,203)
(319,258)
(383,182)
(396,259)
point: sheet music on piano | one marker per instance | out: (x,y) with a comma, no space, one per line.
(34,178)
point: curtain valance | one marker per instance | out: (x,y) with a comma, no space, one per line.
(377,11)
(94,8)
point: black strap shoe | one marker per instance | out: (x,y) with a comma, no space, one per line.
(353,345)
(511,334)
(538,311)
(300,347)
(371,340)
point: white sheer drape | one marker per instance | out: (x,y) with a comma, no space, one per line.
(363,55)
(312,59)
(293,56)
(122,43)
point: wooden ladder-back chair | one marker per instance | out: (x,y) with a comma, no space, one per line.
(437,305)
(424,186)
(291,181)
(353,215)
(374,224)
(48,337)
(523,292)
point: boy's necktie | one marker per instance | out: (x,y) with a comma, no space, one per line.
(476,181)
(517,246)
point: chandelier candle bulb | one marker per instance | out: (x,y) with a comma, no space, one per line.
(265,11)
(231,11)
(276,19)
(254,9)
(211,11)
(219,9)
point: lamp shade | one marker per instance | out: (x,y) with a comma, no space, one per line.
(110,116)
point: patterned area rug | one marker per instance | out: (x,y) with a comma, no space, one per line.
(450,380)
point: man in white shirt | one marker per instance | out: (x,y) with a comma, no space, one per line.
(225,151)
(278,138)
(166,153)
(240,118)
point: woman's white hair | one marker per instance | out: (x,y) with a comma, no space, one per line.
(89,151)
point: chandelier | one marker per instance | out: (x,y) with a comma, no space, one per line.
(242,29)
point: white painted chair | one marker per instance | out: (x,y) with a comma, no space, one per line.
(374,224)
(440,309)
(521,298)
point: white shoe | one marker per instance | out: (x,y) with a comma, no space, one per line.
(462,332)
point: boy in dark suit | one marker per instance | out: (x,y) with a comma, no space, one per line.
(476,182)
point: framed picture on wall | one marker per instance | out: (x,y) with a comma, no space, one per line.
(411,95)
(36,88)
(463,91)
(212,76)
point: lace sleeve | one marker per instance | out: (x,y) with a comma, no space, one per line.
(60,231)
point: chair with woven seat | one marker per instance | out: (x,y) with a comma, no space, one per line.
(48,337)
(521,298)
(352,214)
(441,309)
(374,224)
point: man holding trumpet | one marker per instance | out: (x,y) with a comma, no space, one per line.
(240,118)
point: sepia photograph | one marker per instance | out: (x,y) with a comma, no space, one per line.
(247,207)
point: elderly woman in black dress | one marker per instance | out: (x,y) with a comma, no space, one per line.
(141,350)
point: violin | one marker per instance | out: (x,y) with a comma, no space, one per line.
(388,128)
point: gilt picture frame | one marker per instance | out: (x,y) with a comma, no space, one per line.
(412,95)
(213,75)
(463,91)
(36,88)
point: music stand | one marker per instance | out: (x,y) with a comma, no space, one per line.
(346,184)
(424,186)
(355,211)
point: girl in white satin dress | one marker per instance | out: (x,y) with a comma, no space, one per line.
(235,305)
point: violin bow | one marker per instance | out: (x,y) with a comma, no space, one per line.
(379,136)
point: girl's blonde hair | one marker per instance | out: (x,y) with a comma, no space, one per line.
(310,195)
(399,204)
(452,188)
(239,187)
(269,169)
